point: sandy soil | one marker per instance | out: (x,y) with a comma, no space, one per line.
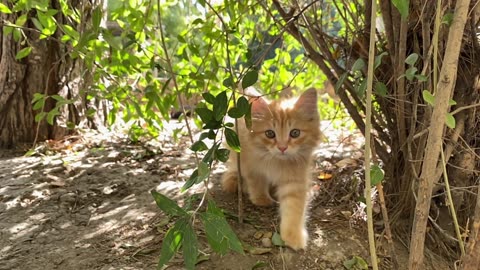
(85,203)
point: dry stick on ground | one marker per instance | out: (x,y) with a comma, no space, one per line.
(445,87)
(368,127)
(471,261)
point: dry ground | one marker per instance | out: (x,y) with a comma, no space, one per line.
(85,203)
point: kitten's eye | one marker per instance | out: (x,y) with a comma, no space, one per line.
(270,134)
(294,133)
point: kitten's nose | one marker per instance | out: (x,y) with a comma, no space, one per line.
(282,148)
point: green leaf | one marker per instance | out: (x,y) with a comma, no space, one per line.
(361,88)
(7,30)
(450,121)
(21,20)
(208,97)
(232,139)
(428,97)
(411,59)
(37,23)
(378,59)
(448,18)
(402,7)
(5,9)
(381,89)
(91,112)
(222,154)
(376,175)
(58,97)
(228,82)
(410,73)
(31,152)
(358,65)
(198,146)
(191,181)
(209,155)
(39,104)
(205,114)
(235,113)
(51,115)
(171,242)
(167,205)
(421,78)
(452,102)
(23,53)
(277,240)
(39,116)
(97,17)
(243,105)
(220,106)
(340,81)
(219,234)
(190,247)
(203,171)
(48,23)
(71,32)
(37,97)
(250,79)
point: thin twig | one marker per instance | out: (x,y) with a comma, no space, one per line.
(368,126)
(450,204)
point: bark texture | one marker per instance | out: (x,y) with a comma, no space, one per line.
(48,70)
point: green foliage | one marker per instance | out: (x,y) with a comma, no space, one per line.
(402,6)
(151,53)
(182,236)
(376,174)
(219,234)
(430,100)
(355,263)
(277,240)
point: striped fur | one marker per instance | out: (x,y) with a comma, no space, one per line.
(282,163)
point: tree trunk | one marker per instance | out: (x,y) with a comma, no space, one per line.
(48,70)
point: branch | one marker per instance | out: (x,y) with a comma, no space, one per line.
(318,59)
(444,91)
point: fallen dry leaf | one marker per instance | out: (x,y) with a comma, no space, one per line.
(324,176)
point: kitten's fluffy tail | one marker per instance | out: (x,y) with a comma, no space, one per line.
(230,181)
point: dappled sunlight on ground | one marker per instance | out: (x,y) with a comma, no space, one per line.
(89,206)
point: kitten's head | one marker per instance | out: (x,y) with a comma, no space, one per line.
(286,128)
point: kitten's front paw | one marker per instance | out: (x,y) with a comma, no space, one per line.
(262,200)
(294,238)
(229,182)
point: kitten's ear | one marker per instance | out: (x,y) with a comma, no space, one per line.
(307,102)
(259,106)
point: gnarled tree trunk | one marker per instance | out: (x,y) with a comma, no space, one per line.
(48,70)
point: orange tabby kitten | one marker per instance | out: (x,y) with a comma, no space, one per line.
(277,152)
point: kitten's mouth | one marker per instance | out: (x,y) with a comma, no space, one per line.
(283,155)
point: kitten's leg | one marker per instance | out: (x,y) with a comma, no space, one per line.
(258,190)
(230,181)
(293,203)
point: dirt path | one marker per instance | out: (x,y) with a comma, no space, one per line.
(87,205)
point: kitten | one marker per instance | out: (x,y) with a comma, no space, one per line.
(277,152)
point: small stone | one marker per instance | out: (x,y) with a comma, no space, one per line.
(266,242)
